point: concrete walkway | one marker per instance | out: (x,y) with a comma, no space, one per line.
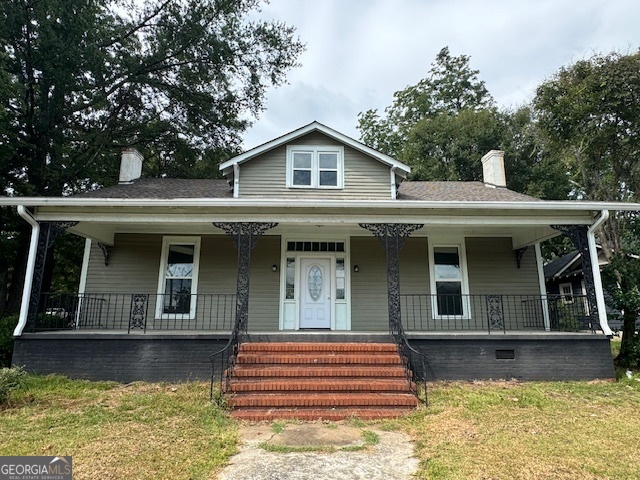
(341,452)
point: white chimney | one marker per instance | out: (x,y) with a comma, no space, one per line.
(130,165)
(493,169)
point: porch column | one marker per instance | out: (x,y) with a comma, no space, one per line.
(245,236)
(578,236)
(49,231)
(392,237)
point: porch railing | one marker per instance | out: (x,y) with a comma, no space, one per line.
(133,312)
(494,313)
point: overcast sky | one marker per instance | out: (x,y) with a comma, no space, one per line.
(359,52)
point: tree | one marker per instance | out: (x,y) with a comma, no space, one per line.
(590,112)
(178,79)
(451,86)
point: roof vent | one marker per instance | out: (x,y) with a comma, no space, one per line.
(493,169)
(130,165)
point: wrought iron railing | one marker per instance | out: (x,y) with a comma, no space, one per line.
(495,313)
(135,312)
(410,358)
(224,360)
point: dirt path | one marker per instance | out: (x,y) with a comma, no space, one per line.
(341,452)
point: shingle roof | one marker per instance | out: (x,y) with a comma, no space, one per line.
(551,269)
(167,188)
(458,191)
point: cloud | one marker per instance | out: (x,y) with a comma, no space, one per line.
(359,52)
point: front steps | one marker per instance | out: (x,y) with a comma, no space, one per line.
(319,381)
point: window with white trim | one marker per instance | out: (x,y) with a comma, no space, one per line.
(315,167)
(178,279)
(567,292)
(449,284)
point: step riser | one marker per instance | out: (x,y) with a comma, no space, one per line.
(328,381)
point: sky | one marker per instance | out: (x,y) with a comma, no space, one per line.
(359,52)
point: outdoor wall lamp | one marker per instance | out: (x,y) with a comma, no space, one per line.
(356,268)
(274,268)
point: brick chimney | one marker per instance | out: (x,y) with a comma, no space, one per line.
(130,165)
(493,169)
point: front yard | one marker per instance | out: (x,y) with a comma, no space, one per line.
(483,430)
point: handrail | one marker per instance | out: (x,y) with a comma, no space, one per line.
(406,353)
(231,348)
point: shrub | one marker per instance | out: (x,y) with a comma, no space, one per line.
(10,379)
(7,325)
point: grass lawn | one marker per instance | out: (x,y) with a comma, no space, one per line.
(119,431)
(479,430)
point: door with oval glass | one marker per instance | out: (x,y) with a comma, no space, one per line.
(315,301)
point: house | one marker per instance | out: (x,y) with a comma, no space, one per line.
(312,237)
(566,289)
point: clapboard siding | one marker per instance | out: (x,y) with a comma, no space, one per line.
(493,269)
(135,265)
(364,176)
(264,292)
(369,307)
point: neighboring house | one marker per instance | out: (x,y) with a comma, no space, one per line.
(311,236)
(566,287)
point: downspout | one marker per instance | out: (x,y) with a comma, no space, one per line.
(595,267)
(393,182)
(31,263)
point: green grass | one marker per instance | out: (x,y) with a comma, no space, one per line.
(119,431)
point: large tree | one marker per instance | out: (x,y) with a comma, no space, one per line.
(178,79)
(590,111)
(443,125)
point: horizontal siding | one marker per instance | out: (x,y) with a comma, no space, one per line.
(493,269)
(264,291)
(369,305)
(134,268)
(364,177)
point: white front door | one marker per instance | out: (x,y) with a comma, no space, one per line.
(315,298)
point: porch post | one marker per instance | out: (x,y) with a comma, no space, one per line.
(392,237)
(578,236)
(245,236)
(543,288)
(49,231)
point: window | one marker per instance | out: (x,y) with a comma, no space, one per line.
(314,167)
(567,293)
(177,285)
(290,288)
(448,281)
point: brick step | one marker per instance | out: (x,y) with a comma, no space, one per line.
(347,384)
(289,347)
(289,400)
(312,414)
(320,358)
(289,371)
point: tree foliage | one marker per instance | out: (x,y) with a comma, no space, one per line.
(178,79)
(590,112)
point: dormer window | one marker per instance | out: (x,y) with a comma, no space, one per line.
(315,167)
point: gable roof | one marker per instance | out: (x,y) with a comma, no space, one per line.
(401,168)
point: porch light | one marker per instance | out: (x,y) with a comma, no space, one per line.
(356,268)
(274,268)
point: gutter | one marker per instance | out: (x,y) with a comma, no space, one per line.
(31,264)
(595,267)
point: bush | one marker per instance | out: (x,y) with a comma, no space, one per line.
(10,379)
(7,325)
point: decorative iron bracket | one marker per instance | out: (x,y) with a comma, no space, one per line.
(245,236)
(106,252)
(578,236)
(519,254)
(49,232)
